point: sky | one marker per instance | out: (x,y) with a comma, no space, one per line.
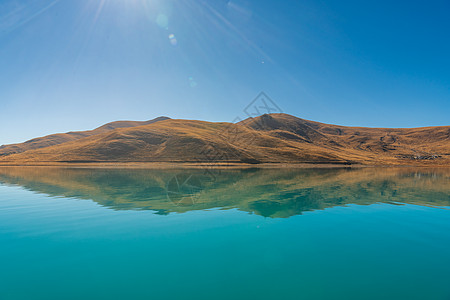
(76,64)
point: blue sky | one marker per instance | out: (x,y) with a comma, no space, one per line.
(76,64)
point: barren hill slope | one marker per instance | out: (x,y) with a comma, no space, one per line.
(409,143)
(60,138)
(275,138)
(176,141)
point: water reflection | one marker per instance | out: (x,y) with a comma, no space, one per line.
(276,193)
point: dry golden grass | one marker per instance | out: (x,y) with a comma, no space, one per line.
(60,138)
(275,138)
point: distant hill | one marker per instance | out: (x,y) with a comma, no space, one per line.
(59,138)
(270,138)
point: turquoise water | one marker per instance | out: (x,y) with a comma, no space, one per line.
(237,234)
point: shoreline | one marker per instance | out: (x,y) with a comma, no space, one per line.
(185,165)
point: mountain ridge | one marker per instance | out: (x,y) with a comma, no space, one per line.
(59,138)
(269,138)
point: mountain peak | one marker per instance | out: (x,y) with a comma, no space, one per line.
(269,138)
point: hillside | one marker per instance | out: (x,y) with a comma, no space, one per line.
(59,138)
(274,138)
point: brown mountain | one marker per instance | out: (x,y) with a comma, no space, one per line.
(59,138)
(274,138)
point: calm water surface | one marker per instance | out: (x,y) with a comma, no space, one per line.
(236,234)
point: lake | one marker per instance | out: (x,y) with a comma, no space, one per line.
(366,233)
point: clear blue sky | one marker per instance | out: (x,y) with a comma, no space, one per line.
(76,64)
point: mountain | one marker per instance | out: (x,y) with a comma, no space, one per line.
(270,138)
(59,138)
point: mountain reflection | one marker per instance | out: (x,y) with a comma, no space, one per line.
(276,193)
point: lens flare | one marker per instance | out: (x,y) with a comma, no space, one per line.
(163,21)
(192,82)
(172,39)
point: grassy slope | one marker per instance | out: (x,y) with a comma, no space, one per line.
(269,138)
(60,138)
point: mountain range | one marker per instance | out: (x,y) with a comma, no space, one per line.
(267,139)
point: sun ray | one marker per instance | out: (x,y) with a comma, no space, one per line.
(23,16)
